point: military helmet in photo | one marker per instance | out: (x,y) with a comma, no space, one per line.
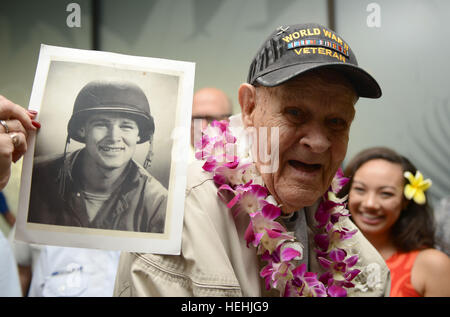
(111,97)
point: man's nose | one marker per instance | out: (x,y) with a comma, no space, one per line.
(316,138)
(114,132)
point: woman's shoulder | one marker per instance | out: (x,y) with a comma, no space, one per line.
(433,259)
(431,273)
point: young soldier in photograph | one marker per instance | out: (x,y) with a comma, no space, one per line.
(100,185)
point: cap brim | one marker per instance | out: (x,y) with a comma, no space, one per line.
(365,85)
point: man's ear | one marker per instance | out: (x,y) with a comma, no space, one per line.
(247,100)
(82,132)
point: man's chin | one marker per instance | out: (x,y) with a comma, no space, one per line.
(113,165)
(296,201)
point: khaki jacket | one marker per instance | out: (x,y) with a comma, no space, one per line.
(215,260)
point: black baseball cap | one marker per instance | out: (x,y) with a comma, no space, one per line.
(295,49)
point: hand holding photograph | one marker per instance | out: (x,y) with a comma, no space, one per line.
(107,169)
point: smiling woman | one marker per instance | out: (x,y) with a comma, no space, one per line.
(399,227)
(377,196)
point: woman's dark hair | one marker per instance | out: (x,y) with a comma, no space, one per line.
(414,229)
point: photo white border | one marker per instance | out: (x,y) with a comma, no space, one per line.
(170,241)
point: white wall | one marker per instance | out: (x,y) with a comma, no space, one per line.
(221,36)
(408,55)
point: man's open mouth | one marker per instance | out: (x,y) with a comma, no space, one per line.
(111,148)
(304,167)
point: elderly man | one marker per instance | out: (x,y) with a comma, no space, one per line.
(303,83)
(101,186)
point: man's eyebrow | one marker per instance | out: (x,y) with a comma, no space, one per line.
(98,120)
(128,120)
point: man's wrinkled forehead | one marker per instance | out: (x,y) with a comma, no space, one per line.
(327,82)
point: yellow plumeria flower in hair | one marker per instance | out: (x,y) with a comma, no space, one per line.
(416,187)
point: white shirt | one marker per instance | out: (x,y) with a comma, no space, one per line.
(9,277)
(74,272)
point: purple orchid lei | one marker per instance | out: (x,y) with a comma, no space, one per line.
(236,176)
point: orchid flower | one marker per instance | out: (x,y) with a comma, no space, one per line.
(276,274)
(217,143)
(264,232)
(230,173)
(248,197)
(278,270)
(339,181)
(304,284)
(337,274)
(334,239)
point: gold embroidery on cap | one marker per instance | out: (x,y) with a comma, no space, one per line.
(317,46)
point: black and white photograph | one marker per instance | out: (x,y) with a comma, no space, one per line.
(105,168)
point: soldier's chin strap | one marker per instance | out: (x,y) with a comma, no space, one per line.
(148,158)
(62,173)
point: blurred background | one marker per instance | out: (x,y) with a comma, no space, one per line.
(402,43)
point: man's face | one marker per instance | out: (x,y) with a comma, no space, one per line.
(209,104)
(111,139)
(313,116)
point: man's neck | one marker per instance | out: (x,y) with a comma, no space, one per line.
(99,180)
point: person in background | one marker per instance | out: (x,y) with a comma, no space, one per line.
(9,278)
(208,104)
(388,203)
(74,272)
(442,216)
(4,210)
(26,256)
(15,125)
(52,271)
